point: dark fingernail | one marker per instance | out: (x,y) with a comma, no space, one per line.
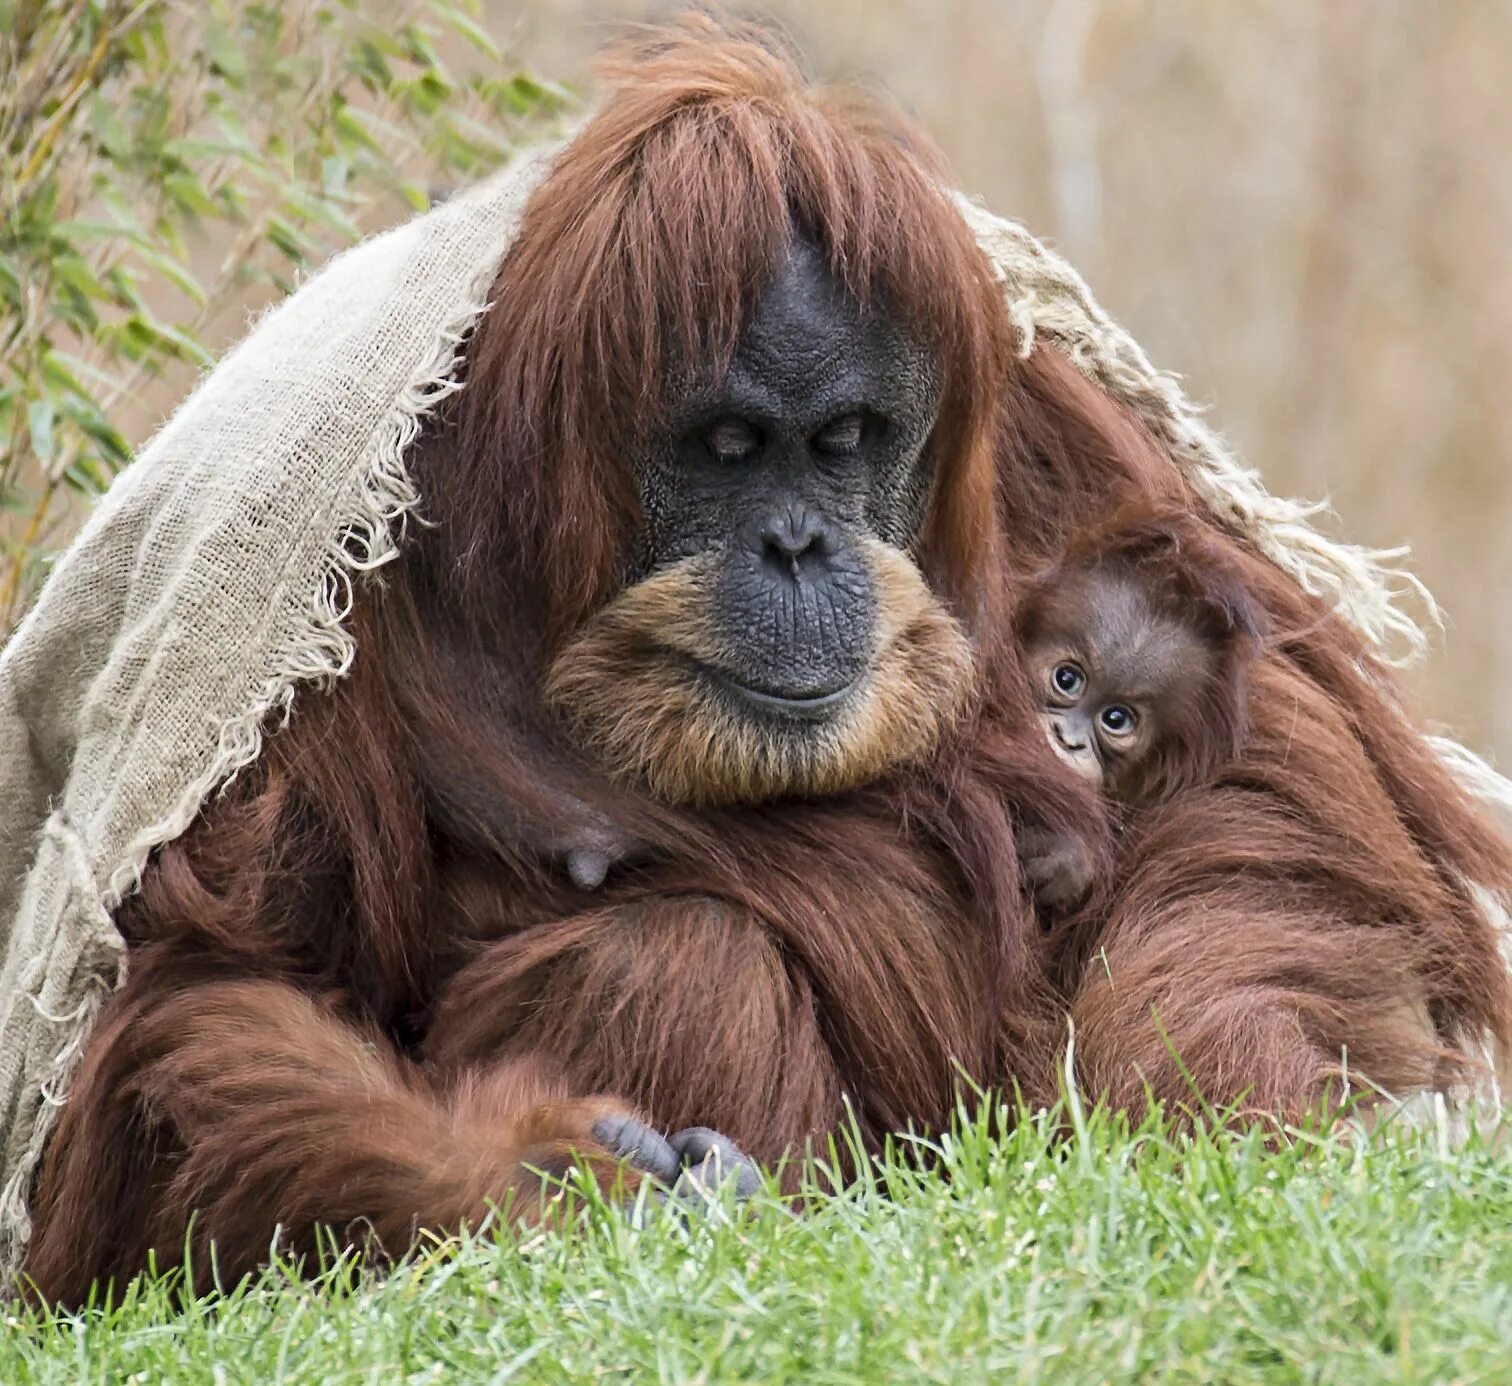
(713,1160)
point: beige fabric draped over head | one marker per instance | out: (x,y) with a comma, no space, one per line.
(212,582)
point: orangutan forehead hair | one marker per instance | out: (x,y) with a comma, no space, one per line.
(1145,647)
(1182,570)
(648,247)
(711,154)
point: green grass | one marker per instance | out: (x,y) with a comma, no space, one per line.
(1118,1255)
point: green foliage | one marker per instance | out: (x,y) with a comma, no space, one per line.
(163,161)
(1116,1255)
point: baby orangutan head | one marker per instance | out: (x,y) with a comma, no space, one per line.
(1136,654)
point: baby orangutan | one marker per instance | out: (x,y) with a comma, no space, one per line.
(1136,649)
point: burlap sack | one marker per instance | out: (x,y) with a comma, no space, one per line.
(212,582)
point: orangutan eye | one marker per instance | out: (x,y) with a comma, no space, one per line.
(839,437)
(1068,678)
(733,440)
(1117,720)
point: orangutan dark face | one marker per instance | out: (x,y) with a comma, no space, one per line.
(778,638)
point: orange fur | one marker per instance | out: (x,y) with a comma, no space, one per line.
(344,1009)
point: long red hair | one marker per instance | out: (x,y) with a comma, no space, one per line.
(619,271)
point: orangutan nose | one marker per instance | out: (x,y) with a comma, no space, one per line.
(795,540)
(1060,735)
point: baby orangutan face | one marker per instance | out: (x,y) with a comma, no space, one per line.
(1120,683)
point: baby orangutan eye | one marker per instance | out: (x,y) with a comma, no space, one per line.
(1117,720)
(1068,679)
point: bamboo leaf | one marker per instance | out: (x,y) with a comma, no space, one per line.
(66,373)
(467,28)
(176,274)
(183,345)
(185,189)
(75,271)
(39,424)
(226,55)
(322,211)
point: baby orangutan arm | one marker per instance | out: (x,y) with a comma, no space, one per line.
(1058,868)
(590,847)
(461,768)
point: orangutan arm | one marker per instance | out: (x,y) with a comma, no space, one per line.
(254,1115)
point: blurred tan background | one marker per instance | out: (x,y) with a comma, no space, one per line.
(1302,206)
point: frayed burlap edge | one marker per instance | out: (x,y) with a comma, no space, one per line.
(320,652)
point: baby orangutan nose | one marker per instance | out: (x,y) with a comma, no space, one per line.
(1074,747)
(1062,741)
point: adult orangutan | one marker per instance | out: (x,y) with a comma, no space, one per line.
(723,535)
